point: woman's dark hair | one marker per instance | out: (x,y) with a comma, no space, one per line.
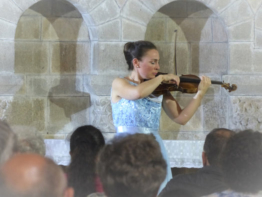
(136,50)
(85,144)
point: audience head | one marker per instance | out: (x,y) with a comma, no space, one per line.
(8,142)
(38,177)
(85,144)
(242,162)
(214,145)
(132,166)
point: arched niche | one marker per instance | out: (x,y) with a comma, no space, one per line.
(202,49)
(52,57)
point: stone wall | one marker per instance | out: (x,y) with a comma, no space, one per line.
(58,59)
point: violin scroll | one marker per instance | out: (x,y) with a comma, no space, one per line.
(229,87)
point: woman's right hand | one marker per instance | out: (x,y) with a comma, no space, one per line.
(171,78)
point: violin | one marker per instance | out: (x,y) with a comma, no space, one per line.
(188,84)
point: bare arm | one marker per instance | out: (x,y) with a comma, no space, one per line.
(122,89)
(182,116)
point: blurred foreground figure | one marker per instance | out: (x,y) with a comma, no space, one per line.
(208,179)
(85,144)
(242,165)
(8,142)
(132,166)
(31,175)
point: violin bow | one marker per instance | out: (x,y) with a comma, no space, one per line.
(175,62)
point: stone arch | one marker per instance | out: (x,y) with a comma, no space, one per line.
(138,13)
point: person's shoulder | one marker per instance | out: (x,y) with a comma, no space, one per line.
(97,195)
(119,80)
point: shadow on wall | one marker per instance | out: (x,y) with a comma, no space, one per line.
(52,52)
(202,49)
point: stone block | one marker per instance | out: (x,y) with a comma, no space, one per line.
(197,9)
(7,30)
(189,29)
(220,5)
(24,4)
(194,124)
(237,12)
(166,52)
(174,9)
(12,84)
(41,8)
(136,11)
(257,59)
(214,112)
(245,112)
(28,28)
(67,113)
(24,111)
(240,58)
(258,19)
(121,3)
(70,57)
(70,85)
(219,30)
(258,38)
(255,4)
(156,34)
(31,57)
(101,114)
(109,31)
(132,31)
(99,85)
(7,51)
(154,5)
(10,11)
(209,58)
(242,32)
(64,9)
(109,59)
(105,12)
(88,6)
(64,29)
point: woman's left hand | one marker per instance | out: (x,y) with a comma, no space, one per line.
(204,84)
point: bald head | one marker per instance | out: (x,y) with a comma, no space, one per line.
(33,175)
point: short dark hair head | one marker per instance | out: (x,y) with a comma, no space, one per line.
(215,143)
(136,50)
(85,144)
(132,166)
(242,162)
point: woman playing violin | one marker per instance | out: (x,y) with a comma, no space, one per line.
(132,108)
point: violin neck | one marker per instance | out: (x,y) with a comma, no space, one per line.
(192,80)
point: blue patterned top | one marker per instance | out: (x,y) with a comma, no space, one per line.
(143,112)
